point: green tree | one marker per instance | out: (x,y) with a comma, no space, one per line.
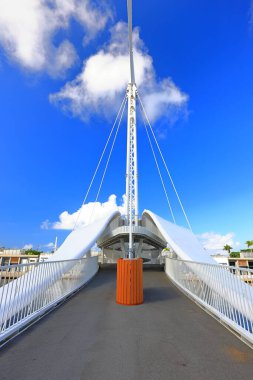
(227,248)
(234,254)
(249,243)
(33,252)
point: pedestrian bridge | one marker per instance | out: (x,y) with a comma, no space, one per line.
(90,336)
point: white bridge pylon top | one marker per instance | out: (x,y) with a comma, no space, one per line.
(130,36)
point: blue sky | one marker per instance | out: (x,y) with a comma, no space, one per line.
(50,146)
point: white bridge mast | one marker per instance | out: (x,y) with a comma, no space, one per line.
(131,164)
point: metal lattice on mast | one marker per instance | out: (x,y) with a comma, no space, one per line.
(131,164)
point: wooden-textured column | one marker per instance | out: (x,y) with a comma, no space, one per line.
(129,282)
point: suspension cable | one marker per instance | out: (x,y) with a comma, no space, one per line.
(109,156)
(99,162)
(166,167)
(158,169)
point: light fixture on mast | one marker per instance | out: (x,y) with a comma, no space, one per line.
(131,164)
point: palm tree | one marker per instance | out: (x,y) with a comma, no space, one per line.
(227,248)
(249,243)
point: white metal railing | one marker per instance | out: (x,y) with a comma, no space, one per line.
(224,291)
(29,290)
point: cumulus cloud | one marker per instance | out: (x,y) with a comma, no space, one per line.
(28,246)
(28,29)
(105,75)
(49,245)
(212,240)
(88,213)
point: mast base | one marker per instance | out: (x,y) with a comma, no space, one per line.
(129,289)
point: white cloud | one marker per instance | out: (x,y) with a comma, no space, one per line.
(28,29)
(212,240)
(105,75)
(49,245)
(28,246)
(89,212)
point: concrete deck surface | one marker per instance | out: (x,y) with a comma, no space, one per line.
(91,337)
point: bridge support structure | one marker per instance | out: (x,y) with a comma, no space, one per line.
(148,241)
(131,168)
(129,270)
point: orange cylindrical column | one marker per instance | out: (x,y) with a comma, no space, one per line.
(129,289)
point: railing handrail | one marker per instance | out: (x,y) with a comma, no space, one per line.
(39,289)
(37,263)
(211,265)
(222,290)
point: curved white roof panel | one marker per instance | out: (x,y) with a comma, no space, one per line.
(80,241)
(181,240)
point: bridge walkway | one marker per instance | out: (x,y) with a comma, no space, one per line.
(91,337)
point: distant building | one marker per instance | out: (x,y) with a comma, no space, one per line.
(10,260)
(220,259)
(45,256)
(15,259)
(219,255)
(11,251)
(246,254)
(241,262)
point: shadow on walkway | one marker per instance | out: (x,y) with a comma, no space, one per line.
(158,294)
